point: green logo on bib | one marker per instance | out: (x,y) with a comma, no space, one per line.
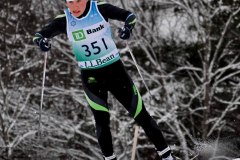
(79,35)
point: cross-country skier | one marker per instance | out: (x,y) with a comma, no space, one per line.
(86,24)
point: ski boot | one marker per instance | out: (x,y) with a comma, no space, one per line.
(166,154)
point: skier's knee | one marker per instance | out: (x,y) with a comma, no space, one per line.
(143,117)
(102,130)
(101,118)
(136,105)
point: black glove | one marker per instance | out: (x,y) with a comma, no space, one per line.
(125,32)
(43,43)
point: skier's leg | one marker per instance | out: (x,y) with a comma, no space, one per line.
(103,133)
(125,91)
(96,96)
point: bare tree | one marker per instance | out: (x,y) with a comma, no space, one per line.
(187,51)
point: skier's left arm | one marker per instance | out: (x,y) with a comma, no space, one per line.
(112,12)
(55,27)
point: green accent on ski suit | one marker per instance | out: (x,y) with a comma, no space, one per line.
(95,105)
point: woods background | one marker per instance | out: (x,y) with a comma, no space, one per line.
(187,50)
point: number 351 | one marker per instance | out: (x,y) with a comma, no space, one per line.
(95,48)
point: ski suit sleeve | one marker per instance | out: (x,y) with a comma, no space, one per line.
(55,27)
(112,12)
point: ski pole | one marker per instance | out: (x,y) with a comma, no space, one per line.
(135,62)
(137,127)
(42,93)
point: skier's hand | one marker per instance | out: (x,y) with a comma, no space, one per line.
(43,43)
(125,32)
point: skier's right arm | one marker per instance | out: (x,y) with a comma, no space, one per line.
(55,27)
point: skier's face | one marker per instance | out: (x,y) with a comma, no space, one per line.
(77,7)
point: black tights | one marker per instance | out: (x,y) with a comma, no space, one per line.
(115,79)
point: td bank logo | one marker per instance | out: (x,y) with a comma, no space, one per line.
(78,35)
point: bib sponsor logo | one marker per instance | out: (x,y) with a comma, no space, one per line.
(90,31)
(78,35)
(103,61)
(98,62)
